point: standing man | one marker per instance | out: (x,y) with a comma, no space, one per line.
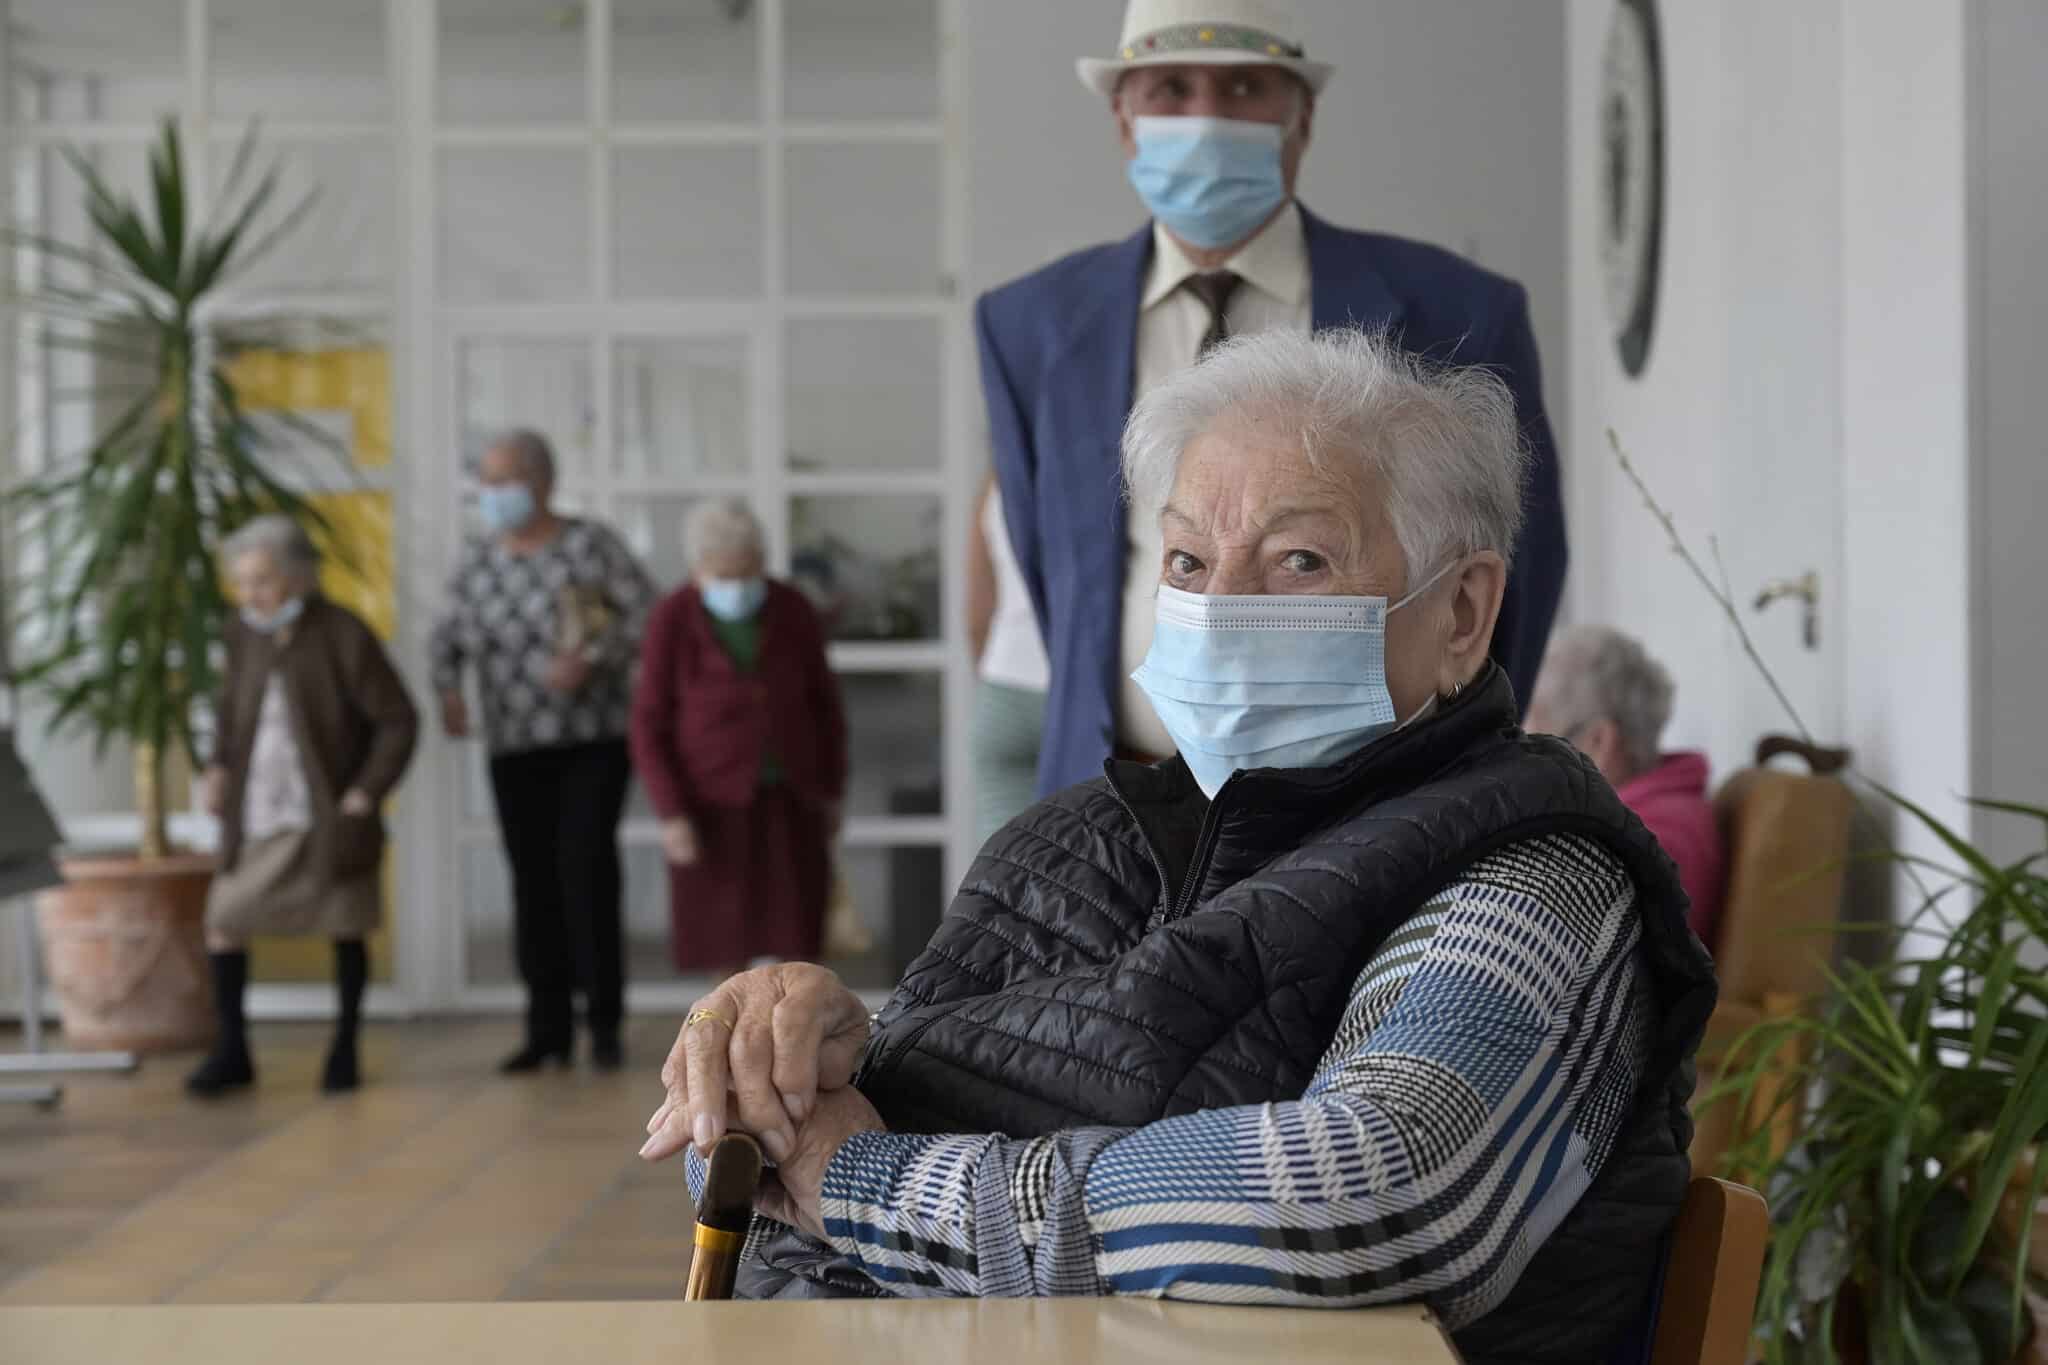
(1213,101)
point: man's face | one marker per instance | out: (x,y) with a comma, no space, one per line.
(1254,94)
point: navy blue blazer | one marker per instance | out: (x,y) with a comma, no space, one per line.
(1058,365)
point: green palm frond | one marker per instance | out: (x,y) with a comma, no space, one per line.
(120,618)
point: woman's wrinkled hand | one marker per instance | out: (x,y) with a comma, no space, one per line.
(679,842)
(768,1044)
(790,1193)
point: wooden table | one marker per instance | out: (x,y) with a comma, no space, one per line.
(990,1332)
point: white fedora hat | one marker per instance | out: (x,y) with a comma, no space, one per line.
(1208,32)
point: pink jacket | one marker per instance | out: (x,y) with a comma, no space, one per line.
(1671,799)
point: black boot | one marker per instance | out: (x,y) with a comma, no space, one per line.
(550,1027)
(534,1056)
(351,973)
(227,1066)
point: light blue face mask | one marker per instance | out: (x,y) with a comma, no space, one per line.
(733,599)
(1270,682)
(269,623)
(1212,181)
(505,507)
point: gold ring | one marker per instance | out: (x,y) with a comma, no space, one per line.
(698,1016)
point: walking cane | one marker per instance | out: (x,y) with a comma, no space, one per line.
(722,1217)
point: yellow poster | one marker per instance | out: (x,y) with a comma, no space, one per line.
(354,383)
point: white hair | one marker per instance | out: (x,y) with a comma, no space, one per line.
(721,527)
(1442,440)
(536,457)
(1594,673)
(279,537)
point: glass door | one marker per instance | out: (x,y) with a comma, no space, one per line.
(708,247)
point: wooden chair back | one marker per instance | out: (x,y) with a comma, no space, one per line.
(1711,1276)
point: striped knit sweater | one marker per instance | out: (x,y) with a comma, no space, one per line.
(1477,1082)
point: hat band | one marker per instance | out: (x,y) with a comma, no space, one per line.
(1208,38)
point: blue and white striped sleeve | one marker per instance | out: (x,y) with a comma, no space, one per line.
(1478,1080)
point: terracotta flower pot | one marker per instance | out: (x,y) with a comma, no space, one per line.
(124,943)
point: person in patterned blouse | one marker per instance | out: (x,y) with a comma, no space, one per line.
(545,613)
(1364,996)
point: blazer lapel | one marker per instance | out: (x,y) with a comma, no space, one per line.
(1091,387)
(1346,291)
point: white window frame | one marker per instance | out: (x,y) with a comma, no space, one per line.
(431,828)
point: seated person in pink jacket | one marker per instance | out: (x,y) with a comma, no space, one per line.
(1599,690)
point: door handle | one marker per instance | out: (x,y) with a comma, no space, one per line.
(1806,589)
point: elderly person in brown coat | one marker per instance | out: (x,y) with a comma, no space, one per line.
(313,730)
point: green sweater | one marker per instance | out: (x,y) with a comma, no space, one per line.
(741,641)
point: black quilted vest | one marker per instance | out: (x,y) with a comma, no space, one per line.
(1127,951)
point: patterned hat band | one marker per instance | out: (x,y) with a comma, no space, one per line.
(1162,42)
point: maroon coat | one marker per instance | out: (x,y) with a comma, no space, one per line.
(702,731)
(1671,798)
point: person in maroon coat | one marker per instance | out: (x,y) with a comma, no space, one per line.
(1602,692)
(740,739)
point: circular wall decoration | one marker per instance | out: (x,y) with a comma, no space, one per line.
(1631,177)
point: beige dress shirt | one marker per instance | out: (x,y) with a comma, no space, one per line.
(1171,324)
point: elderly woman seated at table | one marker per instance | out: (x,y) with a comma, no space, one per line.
(1364,997)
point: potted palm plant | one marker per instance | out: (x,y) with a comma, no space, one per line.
(121,599)
(1907,1213)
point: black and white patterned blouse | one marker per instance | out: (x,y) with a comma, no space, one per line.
(505,620)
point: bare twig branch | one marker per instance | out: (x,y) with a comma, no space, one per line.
(1718,591)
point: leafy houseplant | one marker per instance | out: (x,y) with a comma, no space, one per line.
(1930,1077)
(117,631)
(118,621)
(1904,1211)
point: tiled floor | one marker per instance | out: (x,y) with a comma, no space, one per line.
(438,1180)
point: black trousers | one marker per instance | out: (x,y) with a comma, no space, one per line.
(559,812)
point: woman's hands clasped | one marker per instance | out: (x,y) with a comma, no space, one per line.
(771,1053)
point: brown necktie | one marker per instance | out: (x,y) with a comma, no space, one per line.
(1215,290)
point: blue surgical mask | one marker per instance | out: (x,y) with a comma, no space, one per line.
(1270,682)
(733,599)
(266,623)
(1211,180)
(505,506)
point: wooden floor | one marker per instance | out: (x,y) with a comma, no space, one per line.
(438,1180)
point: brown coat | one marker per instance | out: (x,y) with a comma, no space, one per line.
(354,724)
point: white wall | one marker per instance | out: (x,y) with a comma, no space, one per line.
(1906,421)
(1854,300)
(1734,421)
(1444,121)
